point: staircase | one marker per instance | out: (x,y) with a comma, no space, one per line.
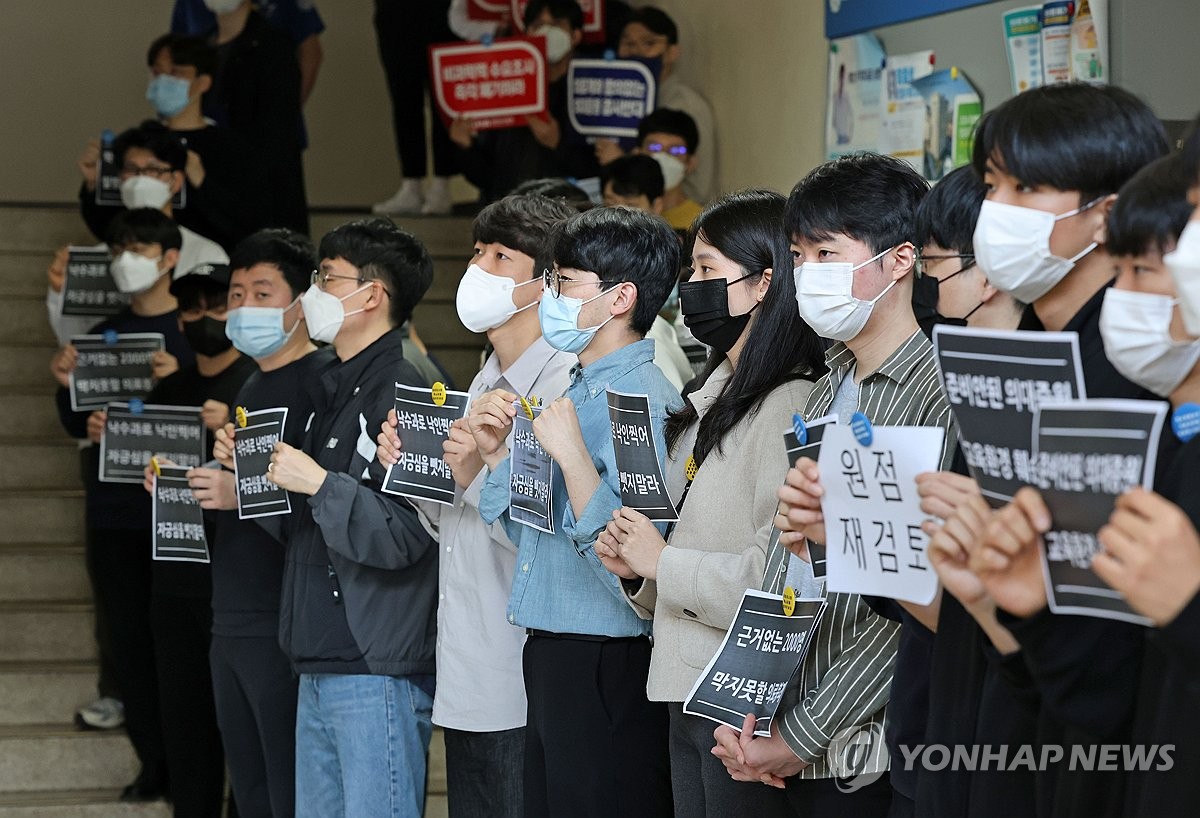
(48,769)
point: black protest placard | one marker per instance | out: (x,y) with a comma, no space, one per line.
(814,433)
(253,445)
(531,481)
(994,381)
(134,433)
(178,522)
(423,419)
(1086,454)
(758,656)
(108,177)
(642,485)
(89,288)
(112,367)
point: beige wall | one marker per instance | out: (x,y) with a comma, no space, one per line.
(70,68)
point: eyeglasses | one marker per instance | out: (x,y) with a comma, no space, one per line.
(674,150)
(555,281)
(151,170)
(968,263)
(321,278)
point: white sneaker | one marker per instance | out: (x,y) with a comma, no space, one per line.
(103,714)
(407,200)
(437,198)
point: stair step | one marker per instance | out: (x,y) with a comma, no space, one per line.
(23,320)
(444,236)
(77,804)
(42,229)
(44,692)
(34,630)
(27,365)
(42,516)
(41,571)
(39,463)
(24,273)
(40,757)
(31,413)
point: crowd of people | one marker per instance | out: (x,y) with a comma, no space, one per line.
(311,658)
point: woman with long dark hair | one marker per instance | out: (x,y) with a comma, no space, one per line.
(741,302)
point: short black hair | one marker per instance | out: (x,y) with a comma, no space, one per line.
(568,10)
(185,50)
(1151,209)
(155,137)
(557,188)
(669,120)
(867,196)
(634,174)
(522,222)
(379,249)
(1071,136)
(947,215)
(620,244)
(144,225)
(199,292)
(657,21)
(292,252)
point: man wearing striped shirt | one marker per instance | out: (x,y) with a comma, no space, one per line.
(852,223)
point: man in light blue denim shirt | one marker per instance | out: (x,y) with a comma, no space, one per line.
(594,745)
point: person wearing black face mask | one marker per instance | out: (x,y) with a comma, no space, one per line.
(949,288)
(729,437)
(181,592)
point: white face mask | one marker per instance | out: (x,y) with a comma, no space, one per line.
(324,312)
(825,295)
(673,170)
(558,42)
(485,301)
(1184,264)
(1012,247)
(144,191)
(134,273)
(222,6)
(1137,340)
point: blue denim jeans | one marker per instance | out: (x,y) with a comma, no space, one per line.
(361,746)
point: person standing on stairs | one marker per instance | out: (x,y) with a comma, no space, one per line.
(145,244)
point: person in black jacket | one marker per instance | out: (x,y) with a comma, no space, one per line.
(357,617)
(256,94)
(499,160)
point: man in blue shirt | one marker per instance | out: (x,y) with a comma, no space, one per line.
(601,749)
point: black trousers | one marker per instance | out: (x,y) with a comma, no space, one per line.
(195,759)
(595,747)
(485,773)
(106,683)
(405,29)
(120,566)
(255,691)
(821,798)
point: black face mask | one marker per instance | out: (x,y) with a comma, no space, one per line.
(705,309)
(925,301)
(206,336)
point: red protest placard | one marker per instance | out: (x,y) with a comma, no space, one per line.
(593,18)
(494,86)
(488,10)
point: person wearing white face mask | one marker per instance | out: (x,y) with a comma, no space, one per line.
(359,586)
(484,716)
(498,161)
(852,224)
(118,516)
(671,139)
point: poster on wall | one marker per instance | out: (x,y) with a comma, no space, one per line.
(1023,45)
(952,108)
(1056,41)
(854,104)
(902,129)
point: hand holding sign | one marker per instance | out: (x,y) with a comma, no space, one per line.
(89,163)
(557,429)
(214,489)
(223,446)
(95,425)
(56,273)
(461,453)
(1010,563)
(800,516)
(955,499)
(1151,555)
(638,542)
(490,420)
(63,364)
(162,364)
(293,470)
(389,444)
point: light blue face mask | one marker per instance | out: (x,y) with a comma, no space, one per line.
(168,95)
(258,331)
(560,321)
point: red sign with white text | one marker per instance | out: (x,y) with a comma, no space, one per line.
(494,86)
(593,18)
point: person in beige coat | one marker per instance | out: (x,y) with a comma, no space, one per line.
(729,436)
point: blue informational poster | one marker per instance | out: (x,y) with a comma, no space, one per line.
(846,17)
(855,101)
(609,97)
